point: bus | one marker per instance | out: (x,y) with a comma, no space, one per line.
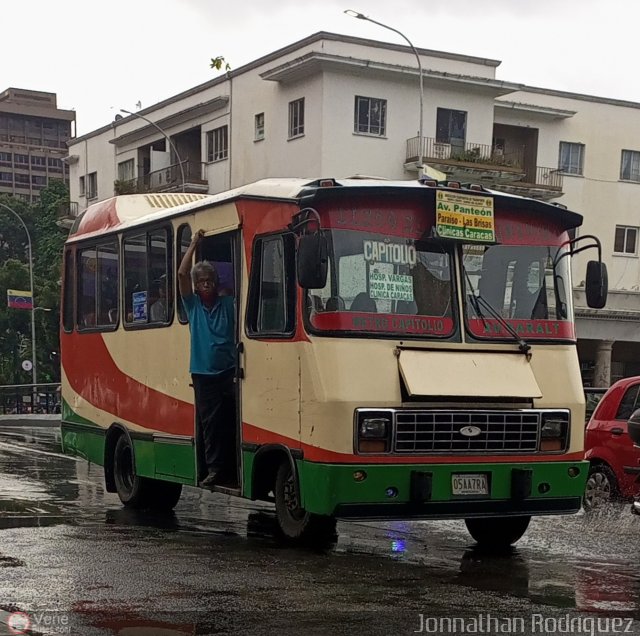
(405,350)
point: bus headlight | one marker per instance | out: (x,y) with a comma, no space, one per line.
(375,427)
(373,431)
(553,433)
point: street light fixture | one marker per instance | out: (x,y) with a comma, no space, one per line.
(360,16)
(175,150)
(34,368)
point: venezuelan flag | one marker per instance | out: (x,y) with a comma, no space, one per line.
(19,299)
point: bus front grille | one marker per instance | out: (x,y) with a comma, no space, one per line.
(463,432)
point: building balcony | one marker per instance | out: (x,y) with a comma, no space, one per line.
(67,214)
(543,184)
(169,179)
(468,162)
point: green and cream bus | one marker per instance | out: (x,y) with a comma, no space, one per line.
(404,350)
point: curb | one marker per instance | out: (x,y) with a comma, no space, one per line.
(30,420)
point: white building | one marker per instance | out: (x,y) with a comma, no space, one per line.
(334,106)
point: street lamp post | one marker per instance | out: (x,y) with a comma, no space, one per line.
(360,16)
(175,150)
(34,368)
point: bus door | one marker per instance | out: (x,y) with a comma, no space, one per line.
(222,250)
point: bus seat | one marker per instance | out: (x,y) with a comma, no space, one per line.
(335,303)
(363,302)
(314,303)
(406,307)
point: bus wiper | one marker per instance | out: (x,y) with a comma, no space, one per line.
(477,300)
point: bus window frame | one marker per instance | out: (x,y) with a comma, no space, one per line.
(69,290)
(454,337)
(148,231)
(180,312)
(95,244)
(254,287)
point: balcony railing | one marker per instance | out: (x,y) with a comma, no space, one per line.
(470,153)
(67,210)
(169,179)
(548,177)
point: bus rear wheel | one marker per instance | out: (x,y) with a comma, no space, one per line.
(497,532)
(140,492)
(294,522)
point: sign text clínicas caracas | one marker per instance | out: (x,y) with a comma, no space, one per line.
(465,216)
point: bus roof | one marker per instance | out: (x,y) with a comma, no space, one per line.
(125,211)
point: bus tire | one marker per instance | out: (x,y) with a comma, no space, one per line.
(140,492)
(296,525)
(497,532)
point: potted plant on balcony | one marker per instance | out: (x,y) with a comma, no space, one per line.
(125,187)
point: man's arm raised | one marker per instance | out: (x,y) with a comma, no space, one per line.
(184,271)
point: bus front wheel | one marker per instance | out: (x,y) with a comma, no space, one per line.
(140,492)
(294,522)
(497,532)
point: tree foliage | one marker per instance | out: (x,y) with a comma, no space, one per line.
(47,245)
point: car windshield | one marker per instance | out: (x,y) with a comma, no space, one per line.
(380,283)
(528,286)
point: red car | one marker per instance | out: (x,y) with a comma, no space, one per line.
(615,461)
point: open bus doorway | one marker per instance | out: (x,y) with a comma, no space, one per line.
(221,251)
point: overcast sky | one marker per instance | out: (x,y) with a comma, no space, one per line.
(101,56)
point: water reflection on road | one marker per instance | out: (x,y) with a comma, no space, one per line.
(215,566)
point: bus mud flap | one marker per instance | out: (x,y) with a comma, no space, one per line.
(421,486)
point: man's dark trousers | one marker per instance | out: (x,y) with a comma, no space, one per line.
(215,398)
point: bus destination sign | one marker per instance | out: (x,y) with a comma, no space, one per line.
(465,216)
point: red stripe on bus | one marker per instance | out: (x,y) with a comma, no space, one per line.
(256,435)
(103,217)
(94,375)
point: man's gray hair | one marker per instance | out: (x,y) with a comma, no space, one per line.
(204,267)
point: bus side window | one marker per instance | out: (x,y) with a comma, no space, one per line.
(272,290)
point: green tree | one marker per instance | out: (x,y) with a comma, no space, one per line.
(47,246)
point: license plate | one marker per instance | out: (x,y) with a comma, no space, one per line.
(469,484)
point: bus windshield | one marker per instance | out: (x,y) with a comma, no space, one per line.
(381,283)
(528,286)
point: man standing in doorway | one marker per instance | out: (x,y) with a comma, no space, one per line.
(212,366)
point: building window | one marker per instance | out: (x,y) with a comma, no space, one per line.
(571,157)
(296,118)
(451,128)
(92,185)
(370,116)
(626,240)
(5,157)
(125,170)
(259,128)
(218,144)
(81,186)
(630,166)
(22,160)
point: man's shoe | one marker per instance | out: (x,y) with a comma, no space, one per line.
(210,480)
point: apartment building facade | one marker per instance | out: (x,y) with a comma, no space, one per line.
(33,142)
(335,106)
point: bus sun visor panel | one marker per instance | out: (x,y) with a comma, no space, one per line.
(466,373)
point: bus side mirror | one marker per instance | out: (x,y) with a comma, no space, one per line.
(312,261)
(597,284)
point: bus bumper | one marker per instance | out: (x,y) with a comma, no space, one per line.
(420,491)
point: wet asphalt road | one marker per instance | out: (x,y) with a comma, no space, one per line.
(78,563)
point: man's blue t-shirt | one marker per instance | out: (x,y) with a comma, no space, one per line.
(212,335)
